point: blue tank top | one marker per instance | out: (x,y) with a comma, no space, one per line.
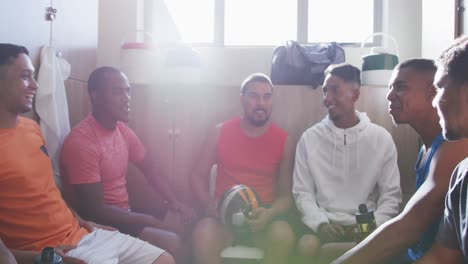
(424,244)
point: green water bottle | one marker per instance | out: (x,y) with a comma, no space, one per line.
(48,256)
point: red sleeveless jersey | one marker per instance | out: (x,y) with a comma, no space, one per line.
(253,161)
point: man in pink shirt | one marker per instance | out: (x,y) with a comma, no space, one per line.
(94,162)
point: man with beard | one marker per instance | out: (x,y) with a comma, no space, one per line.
(248,150)
(408,236)
(342,162)
(451,80)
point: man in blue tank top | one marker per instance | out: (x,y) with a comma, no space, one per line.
(405,238)
(451,245)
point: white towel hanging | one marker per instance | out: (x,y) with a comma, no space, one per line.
(51,103)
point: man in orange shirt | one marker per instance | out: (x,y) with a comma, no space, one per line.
(33,214)
(248,150)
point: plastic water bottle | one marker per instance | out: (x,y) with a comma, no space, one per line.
(48,256)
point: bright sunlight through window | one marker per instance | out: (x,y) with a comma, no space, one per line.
(271,22)
(194,19)
(259,22)
(340,20)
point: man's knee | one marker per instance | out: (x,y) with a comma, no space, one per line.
(167,240)
(308,245)
(206,228)
(165,258)
(280,232)
(175,242)
(209,238)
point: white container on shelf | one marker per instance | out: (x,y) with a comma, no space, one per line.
(139,62)
(377,67)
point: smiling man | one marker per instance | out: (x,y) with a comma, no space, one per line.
(33,214)
(408,236)
(94,161)
(341,162)
(248,150)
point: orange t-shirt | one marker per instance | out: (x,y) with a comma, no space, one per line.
(253,161)
(33,214)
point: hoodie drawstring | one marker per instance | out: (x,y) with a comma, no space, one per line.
(334,149)
(357,150)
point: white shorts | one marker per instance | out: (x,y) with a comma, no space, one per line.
(112,247)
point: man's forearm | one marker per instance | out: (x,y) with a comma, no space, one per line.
(112,215)
(281,205)
(389,240)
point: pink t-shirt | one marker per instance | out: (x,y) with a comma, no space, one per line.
(92,153)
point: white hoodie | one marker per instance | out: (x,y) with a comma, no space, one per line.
(338,169)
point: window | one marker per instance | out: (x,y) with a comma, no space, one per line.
(194,20)
(342,21)
(259,22)
(270,22)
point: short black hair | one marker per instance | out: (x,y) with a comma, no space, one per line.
(454,60)
(418,64)
(9,51)
(345,71)
(98,76)
(255,77)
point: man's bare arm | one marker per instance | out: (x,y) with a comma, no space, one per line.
(160,183)
(284,199)
(426,205)
(200,177)
(93,207)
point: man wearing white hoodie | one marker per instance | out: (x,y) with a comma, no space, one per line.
(341,162)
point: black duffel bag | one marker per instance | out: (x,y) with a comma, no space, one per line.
(297,64)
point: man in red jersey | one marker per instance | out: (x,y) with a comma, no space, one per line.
(253,151)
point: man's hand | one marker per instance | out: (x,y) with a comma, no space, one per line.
(150,220)
(330,232)
(259,218)
(91,226)
(62,250)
